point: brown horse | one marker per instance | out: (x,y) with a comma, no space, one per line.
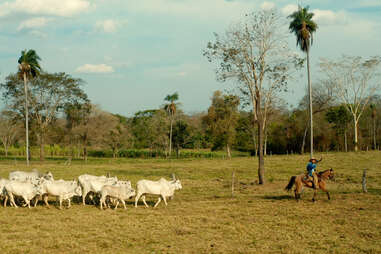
(301,181)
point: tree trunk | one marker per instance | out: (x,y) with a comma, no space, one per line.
(261,159)
(310,102)
(228,151)
(355,122)
(261,168)
(255,142)
(26,120)
(265,145)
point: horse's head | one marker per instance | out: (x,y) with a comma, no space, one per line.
(331,174)
(327,174)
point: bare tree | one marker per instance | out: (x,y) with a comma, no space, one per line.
(354,81)
(255,53)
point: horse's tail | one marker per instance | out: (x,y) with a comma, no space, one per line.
(290,183)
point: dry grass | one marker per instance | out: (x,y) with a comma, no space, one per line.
(203,217)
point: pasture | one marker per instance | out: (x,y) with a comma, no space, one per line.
(203,217)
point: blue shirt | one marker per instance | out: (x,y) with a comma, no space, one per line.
(311,168)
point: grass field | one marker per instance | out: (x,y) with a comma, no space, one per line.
(204,217)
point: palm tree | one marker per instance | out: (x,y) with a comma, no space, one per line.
(171,109)
(29,67)
(303,26)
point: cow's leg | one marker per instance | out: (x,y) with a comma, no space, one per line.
(158,201)
(102,201)
(116,206)
(165,201)
(36,200)
(60,200)
(137,199)
(91,196)
(27,201)
(46,200)
(84,194)
(5,200)
(12,200)
(124,204)
(144,200)
(69,202)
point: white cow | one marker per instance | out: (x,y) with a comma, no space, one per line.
(26,190)
(117,192)
(90,183)
(163,188)
(63,190)
(29,176)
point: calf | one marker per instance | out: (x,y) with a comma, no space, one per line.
(90,183)
(118,192)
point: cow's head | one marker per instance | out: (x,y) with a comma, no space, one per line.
(78,191)
(48,176)
(177,184)
(130,192)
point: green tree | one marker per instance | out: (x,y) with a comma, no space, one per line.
(171,108)
(340,117)
(222,120)
(303,27)
(29,68)
(48,95)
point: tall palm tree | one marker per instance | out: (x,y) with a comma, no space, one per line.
(303,27)
(171,109)
(29,67)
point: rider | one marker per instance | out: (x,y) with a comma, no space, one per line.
(311,174)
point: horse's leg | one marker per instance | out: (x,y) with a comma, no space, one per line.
(314,197)
(298,189)
(322,187)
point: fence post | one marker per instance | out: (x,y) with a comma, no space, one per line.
(364,182)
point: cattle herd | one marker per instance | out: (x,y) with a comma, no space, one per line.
(28,186)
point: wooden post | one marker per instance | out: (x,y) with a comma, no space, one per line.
(233,175)
(364,182)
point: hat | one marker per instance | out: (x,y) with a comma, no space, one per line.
(312,159)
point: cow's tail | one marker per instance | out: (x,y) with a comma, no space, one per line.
(290,183)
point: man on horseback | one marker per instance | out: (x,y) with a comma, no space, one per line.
(311,174)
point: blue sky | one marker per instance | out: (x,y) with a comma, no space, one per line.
(132,53)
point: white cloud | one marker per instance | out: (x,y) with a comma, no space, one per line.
(267,5)
(108,26)
(328,17)
(288,9)
(95,68)
(33,23)
(321,17)
(199,9)
(64,8)
(38,34)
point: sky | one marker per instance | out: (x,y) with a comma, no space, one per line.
(132,53)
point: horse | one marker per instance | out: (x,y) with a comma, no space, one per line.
(301,181)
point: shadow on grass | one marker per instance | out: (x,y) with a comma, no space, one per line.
(374,191)
(278,197)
